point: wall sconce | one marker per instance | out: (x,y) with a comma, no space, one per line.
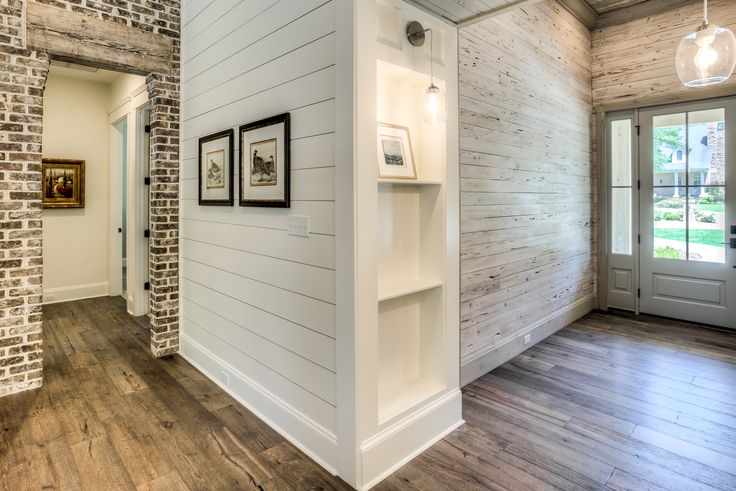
(434,106)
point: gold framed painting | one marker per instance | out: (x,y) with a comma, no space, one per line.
(63,183)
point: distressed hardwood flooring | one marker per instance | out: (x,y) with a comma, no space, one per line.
(110,416)
(611,402)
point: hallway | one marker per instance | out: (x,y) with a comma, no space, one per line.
(611,402)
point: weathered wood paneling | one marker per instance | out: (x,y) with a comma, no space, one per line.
(80,38)
(526,177)
(634,63)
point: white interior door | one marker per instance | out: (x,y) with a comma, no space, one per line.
(687,212)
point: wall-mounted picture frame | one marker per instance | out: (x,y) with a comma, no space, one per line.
(216,170)
(63,183)
(395,155)
(265,162)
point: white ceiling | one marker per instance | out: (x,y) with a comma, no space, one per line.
(78,72)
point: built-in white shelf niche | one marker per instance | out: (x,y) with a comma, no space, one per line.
(407,253)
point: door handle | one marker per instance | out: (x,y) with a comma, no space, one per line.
(731,244)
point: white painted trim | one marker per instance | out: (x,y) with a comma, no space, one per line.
(75,292)
(345,241)
(115,201)
(395,446)
(315,441)
(122,104)
(495,356)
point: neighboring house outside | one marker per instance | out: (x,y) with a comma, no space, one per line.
(706,162)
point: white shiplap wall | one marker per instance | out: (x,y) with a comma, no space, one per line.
(258,305)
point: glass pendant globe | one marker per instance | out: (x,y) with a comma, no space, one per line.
(706,57)
(434,107)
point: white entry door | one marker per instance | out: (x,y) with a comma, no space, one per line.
(687,215)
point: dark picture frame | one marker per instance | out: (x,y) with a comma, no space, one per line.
(265,178)
(217,150)
(62,183)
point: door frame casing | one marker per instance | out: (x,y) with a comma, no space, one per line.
(693,271)
(603,204)
(131,108)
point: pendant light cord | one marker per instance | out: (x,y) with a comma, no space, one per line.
(431,57)
(705,11)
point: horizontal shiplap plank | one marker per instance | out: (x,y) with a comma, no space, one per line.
(321,215)
(291,276)
(317,250)
(313,314)
(302,372)
(301,400)
(314,346)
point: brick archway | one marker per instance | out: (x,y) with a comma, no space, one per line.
(136,36)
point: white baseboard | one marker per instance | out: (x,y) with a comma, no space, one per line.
(496,356)
(386,452)
(318,443)
(75,292)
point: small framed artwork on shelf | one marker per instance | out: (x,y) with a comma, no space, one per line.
(63,183)
(264,162)
(395,156)
(216,169)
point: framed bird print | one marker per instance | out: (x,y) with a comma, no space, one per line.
(264,162)
(216,169)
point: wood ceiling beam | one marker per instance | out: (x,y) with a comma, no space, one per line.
(77,38)
(582,10)
(639,11)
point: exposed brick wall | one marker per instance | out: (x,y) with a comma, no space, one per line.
(22,78)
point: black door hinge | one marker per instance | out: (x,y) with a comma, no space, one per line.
(147,128)
(638,184)
(147,181)
(638,130)
(638,293)
(146,233)
(146,286)
(638,239)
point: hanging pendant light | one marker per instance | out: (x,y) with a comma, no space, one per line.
(707,56)
(434,105)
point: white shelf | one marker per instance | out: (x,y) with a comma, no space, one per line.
(398,398)
(389,292)
(410,182)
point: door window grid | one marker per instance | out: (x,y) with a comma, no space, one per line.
(701,204)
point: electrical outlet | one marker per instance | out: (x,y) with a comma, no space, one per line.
(527,339)
(225,377)
(298,226)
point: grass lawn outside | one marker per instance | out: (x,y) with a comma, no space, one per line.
(697,236)
(715,207)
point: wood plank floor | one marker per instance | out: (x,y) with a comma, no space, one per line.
(611,402)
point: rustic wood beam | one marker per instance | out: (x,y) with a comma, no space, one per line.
(74,37)
(582,10)
(494,12)
(639,11)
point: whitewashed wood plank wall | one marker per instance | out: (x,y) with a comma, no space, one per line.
(527,190)
(635,61)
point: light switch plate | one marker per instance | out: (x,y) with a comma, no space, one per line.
(299,225)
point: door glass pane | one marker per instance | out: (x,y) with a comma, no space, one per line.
(669,152)
(707,147)
(621,220)
(670,232)
(706,227)
(621,152)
